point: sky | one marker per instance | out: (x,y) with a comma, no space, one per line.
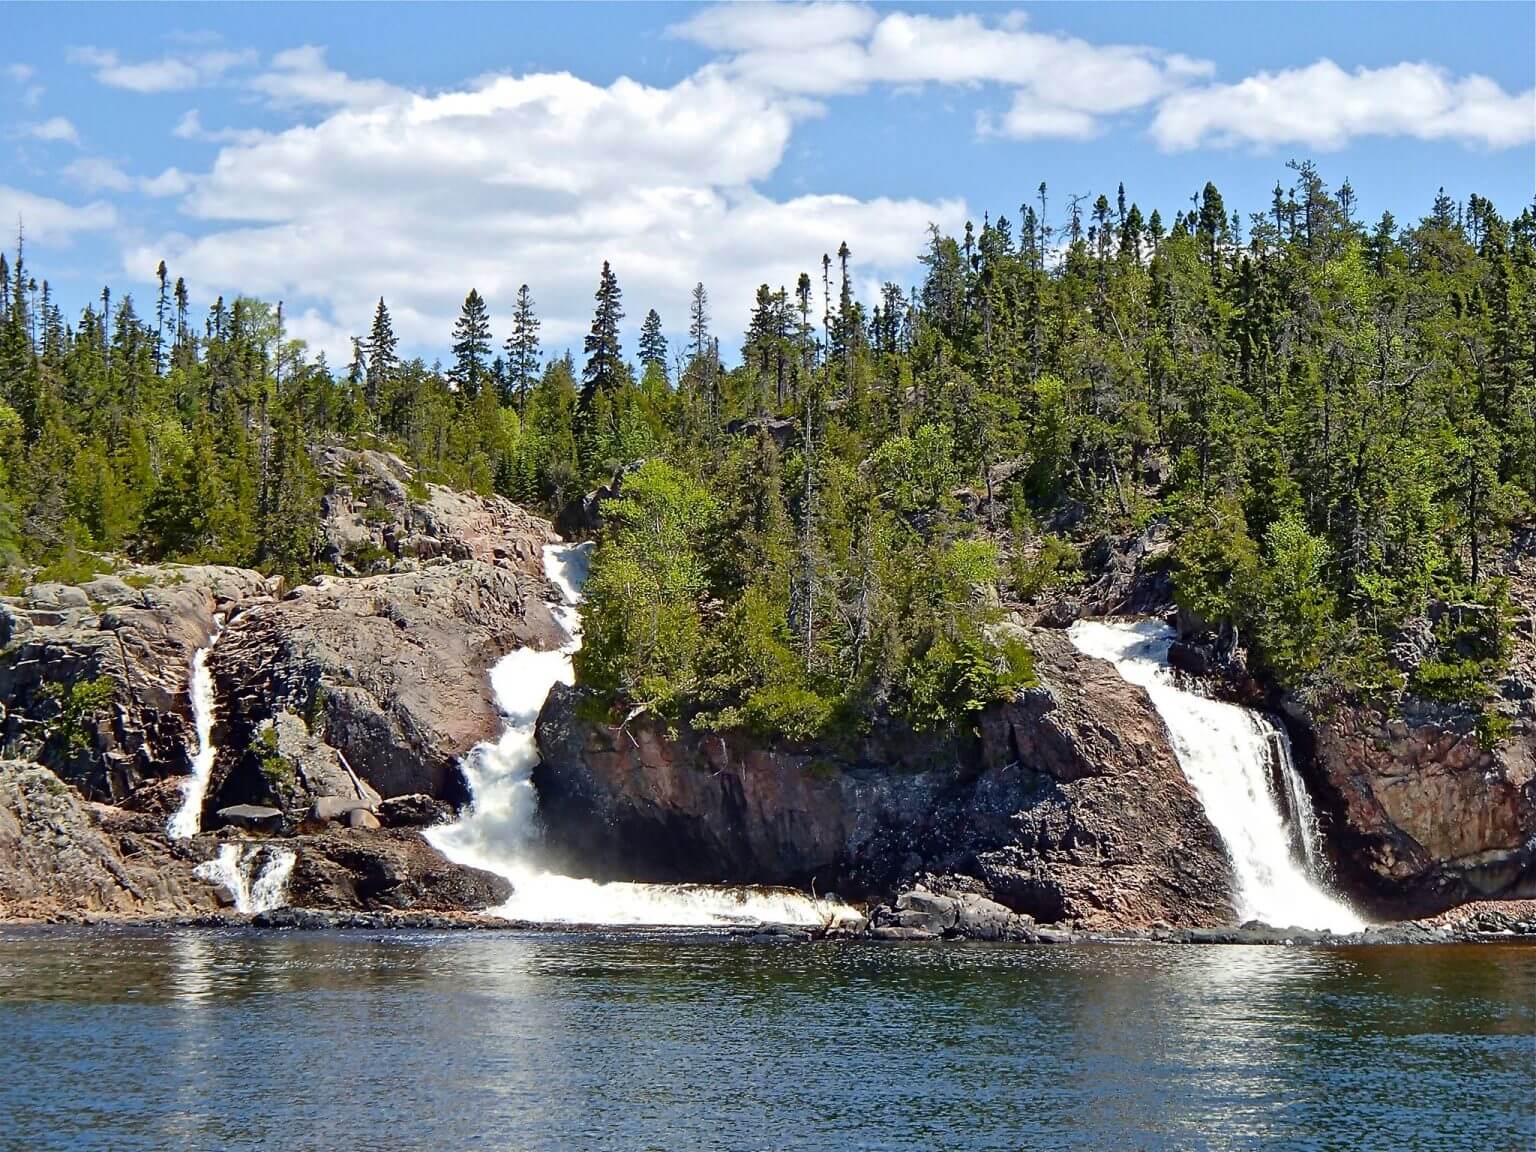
(327,155)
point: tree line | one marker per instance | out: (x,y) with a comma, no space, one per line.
(1334,420)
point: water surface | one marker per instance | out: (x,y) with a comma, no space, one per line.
(215,1040)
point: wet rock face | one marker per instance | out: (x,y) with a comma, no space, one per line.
(391,672)
(378,518)
(1069,805)
(1425,815)
(134,634)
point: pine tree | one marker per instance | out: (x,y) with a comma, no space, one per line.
(522,350)
(604,355)
(471,346)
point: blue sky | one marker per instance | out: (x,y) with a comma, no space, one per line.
(326,155)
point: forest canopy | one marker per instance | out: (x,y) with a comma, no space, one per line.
(1334,420)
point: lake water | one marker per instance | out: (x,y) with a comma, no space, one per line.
(240,1039)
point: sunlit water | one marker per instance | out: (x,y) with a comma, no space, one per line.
(500,831)
(1227,753)
(277,1041)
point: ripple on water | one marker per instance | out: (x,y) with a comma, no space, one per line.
(422,1041)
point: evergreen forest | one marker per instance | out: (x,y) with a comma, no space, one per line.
(827,520)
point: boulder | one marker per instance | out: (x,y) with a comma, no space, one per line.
(413,811)
(1068,805)
(252,817)
(371,870)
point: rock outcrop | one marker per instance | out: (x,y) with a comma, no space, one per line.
(391,672)
(64,857)
(1424,813)
(371,871)
(379,517)
(94,677)
(1067,806)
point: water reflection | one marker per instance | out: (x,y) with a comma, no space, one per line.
(416,1041)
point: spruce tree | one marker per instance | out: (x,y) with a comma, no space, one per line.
(471,346)
(522,350)
(604,355)
(382,362)
(653,345)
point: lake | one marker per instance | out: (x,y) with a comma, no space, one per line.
(208,1039)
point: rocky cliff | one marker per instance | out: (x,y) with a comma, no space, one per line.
(389,671)
(94,676)
(1066,805)
(1433,804)
(342,707)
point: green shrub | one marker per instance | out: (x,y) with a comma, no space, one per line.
(1055,564)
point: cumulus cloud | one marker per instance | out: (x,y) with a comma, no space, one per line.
(511,179)
(170,73)
(56,129)
(1323,106)
(53,221)
(538,178)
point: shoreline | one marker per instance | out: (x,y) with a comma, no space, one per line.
(1481,923)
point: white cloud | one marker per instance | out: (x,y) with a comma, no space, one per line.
(776,28)
(171,182)
(56,129)
(20,73)
(1323,106)
(96,174)
(299,77)
(535,178)
(1061,84)
(53,221)
(171,73)
(190,127)
(1027,118)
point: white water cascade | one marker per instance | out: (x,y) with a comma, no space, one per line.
(499,832)
(188,818)
(255,876)
(1227,753)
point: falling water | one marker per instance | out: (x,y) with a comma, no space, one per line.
(255,876)
(1227,753)
(499,833)
(188,818)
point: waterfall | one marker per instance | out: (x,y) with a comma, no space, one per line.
(188,818)
(499,831)
(1239,763)
(255,876)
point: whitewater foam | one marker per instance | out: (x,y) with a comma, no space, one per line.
(1233,757)
(188,818)
(255,876)
(499,832)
